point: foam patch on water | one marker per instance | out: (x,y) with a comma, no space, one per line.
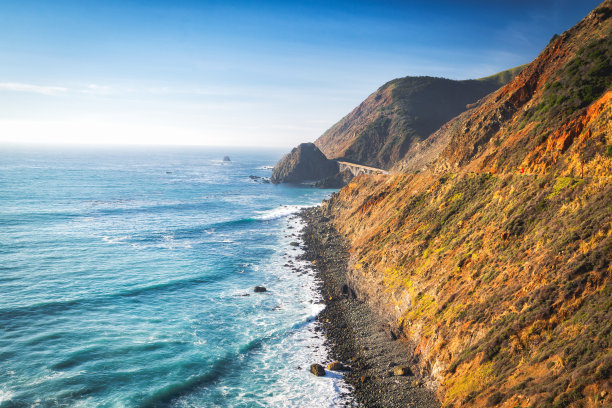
(115,240)
(279,212)
(165,241)
(5,395)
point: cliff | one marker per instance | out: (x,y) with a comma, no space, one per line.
(304,163)
(489,248)
(400,113)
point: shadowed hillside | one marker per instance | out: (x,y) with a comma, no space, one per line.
(490,247)
(400,113)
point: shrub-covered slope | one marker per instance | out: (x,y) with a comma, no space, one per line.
(402,112)
(491,250)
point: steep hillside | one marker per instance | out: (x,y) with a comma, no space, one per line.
(400,113)
(490,247)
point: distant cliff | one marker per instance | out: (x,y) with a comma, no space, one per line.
(490,247)
(401,113)
(304,163)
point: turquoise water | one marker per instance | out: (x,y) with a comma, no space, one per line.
(123,276)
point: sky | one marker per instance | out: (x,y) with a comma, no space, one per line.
(241,73)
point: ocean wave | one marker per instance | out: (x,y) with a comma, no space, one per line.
(9,316)
(165,241)
(173,239)
(18,218)
(161,207)
(33,217)
(176,235)
(101,353)
(279,212)
(182,238)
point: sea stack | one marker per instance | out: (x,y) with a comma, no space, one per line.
(305,163)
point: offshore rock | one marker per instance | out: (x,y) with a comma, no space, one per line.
(304,163)
(317,369)
(259,289)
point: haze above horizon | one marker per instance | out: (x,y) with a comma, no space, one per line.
(241,73)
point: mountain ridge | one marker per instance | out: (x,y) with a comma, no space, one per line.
(402,112)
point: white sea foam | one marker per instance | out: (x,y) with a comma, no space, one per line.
(5,395)
(115,240)
(167,242)
(279,212)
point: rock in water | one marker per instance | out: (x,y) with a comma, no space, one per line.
(317,369)
(259,289)
(304,163)
(226,158)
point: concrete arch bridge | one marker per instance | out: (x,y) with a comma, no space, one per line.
(357,169)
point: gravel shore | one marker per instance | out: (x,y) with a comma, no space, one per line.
(355,334)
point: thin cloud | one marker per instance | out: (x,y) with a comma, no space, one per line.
(98,89)
(31,88)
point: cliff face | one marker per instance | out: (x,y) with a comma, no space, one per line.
(304,163)
(490,247)
(401,113)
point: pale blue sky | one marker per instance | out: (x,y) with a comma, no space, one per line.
(241,73)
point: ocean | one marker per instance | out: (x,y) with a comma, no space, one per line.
(127,276)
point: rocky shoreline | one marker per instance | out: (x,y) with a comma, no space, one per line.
(381,372)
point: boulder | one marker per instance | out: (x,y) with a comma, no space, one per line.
(336,366)
(317,369)
(259,289)
(347,292)
(401,371)
(304,163)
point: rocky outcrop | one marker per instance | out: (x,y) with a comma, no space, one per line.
(304,163)
(338,180)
